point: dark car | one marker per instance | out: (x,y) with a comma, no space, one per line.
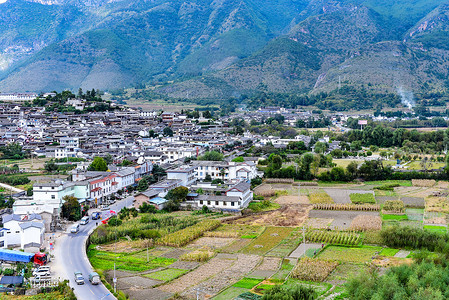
(96,215)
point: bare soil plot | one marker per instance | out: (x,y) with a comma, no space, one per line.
(442,185)
(267,240)
(175,253)
(318,223)
(437,204)
(243,265)
(125,246)
(382,199)
(136,282)
(285,200)
(212,242)
(185,265)
(413,191)
(270,263)
(387,262)
(413,201)
(291,215)
(147,294)
(299,252)
(342,195)
(211,268)
(342,219)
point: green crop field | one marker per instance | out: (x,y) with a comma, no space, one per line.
(247,283)
(267,240)
(348,254)
(167,274)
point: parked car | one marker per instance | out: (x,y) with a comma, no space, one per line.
(104,207)
(94,278)
(40,279)
(41,272)
(79,279)
(96,215)
(84,220)
(41,269)
(75,228)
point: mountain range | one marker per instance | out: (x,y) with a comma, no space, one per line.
(217,49)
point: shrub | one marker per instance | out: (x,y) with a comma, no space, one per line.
(114,221)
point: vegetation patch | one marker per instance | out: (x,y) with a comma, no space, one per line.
(434,228)
(199,255)
(393,206)
(394,217)
(357,198)
(349,254)
(311,269)
(125,261)
(320,197)
(267,240)
(334,237)
(388,252)
(247,283)
(167,274)
(184,236)
(265,205)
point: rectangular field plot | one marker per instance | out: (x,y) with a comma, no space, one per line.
(349,254)
(267,240)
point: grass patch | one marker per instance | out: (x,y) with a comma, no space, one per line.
(434,228)
(230,293)
(388,252)
(267,240)
(320,197)
(320,287)
(394,217)
(362,198)
(265,205)
(244,231)
(249,236)
(287,245)
(125,261)
(167,274)
(385,182)
(247,283)
(345,271)
(349,254)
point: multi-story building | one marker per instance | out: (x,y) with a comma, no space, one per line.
(185,173)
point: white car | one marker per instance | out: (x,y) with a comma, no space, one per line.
(75,228)
(41,269)
(41,273)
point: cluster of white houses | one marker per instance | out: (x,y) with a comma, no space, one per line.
(31,217)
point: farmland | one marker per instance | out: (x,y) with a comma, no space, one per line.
(347,231)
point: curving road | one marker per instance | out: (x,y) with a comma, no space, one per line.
(70,256)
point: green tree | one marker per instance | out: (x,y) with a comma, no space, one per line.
(50,166)
(299,292)
(211,155)
(71,209)
(177,194)
(142,185)
(108,159)
(98,164)
(238,159)
(167,131)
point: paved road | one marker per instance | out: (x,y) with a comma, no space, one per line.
(70,255)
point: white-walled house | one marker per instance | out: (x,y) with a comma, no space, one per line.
(22,231)
(237,197)
(185,173)
(125,177)
(226,171)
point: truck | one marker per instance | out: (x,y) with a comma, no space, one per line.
(94,278)
(25,257)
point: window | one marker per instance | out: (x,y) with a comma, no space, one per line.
(232,203)
(52,196)
(224,203)
(2,243)
(216,202)
(17,231)
(208,202)
(2,233)
(201,201)
(52,187)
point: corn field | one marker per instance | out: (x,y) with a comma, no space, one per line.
(346,206)
(334,237)
(310,269)
(394,206)
(184,236)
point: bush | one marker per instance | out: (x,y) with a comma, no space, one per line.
(8,272)
(114,221)
(299,292)
(147,208)
(414,238)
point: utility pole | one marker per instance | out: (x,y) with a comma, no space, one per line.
(115,280)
